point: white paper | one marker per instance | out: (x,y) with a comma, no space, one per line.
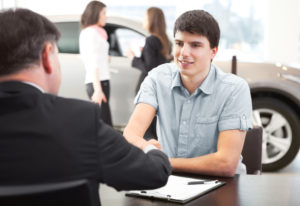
(177,188)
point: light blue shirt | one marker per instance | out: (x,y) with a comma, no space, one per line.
(188,125)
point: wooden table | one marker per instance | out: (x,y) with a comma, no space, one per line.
(265,190)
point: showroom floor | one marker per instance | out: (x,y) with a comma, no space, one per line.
(293,168)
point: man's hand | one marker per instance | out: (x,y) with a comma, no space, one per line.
(155,143)
(142,143)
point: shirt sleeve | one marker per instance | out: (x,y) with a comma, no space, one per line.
(237,112)
(92,48)
(147,93)
(149,148)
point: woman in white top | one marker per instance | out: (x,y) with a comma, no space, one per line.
(94,53)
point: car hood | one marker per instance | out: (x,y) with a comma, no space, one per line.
(267,76)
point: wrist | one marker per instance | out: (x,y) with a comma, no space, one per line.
(98,91)
(149,147)
(141,143)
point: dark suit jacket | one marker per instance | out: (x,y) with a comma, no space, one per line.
(45,138)
(151,57)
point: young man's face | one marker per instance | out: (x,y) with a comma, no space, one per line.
(192,53)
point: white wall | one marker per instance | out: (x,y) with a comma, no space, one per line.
(59,7)
(282,31)
(8,3)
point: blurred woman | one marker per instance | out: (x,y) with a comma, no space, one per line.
(94,53)
(157,49)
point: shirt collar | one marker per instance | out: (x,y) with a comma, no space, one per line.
(34,85)
(176,80)
(207,85)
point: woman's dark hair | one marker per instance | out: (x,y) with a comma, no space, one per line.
(157,27)
(90,15)
(23,34)
(199,22)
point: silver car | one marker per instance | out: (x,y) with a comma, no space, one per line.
(275,89)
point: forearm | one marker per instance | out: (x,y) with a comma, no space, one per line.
(212,164)
(133,130)
(133,133)
(145,64)
(138,124)
(223,162)
(96,82)
(138,63)
(139,121)
(136,138)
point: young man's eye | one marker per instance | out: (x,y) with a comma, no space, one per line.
(179,43)
(195,45)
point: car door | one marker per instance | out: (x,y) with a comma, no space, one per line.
(124,78)
(72,69)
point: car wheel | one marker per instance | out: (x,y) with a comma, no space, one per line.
(281,140)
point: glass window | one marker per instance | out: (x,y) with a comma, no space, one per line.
(69,40)
(242,28)
(138,11)
(129,39)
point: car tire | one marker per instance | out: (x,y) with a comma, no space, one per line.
(281,133)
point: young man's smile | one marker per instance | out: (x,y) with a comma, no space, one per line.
(185,63)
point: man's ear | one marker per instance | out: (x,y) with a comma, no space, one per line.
(46,58)
(214,52)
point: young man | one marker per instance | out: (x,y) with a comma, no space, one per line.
(202,113)
(46,138)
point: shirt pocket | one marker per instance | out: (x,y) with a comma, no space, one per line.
(205,136)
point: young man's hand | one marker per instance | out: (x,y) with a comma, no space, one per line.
(155,143)
(142,143)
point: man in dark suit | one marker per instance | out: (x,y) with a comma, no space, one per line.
(46,138)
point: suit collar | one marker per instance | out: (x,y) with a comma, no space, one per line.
(18,86)
(35,85)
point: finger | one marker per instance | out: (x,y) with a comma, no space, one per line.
(158,146)
(155,143)
(104,98)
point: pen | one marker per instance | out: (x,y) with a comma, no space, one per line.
(202,182)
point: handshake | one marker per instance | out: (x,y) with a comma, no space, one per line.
(141,143)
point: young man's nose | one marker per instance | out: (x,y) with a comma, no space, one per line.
(185,50)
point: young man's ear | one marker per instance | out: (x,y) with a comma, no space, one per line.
(214,52)
(46,57)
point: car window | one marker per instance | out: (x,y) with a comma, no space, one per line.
(129,39)
(114,48)
(120,39)
(69,40)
